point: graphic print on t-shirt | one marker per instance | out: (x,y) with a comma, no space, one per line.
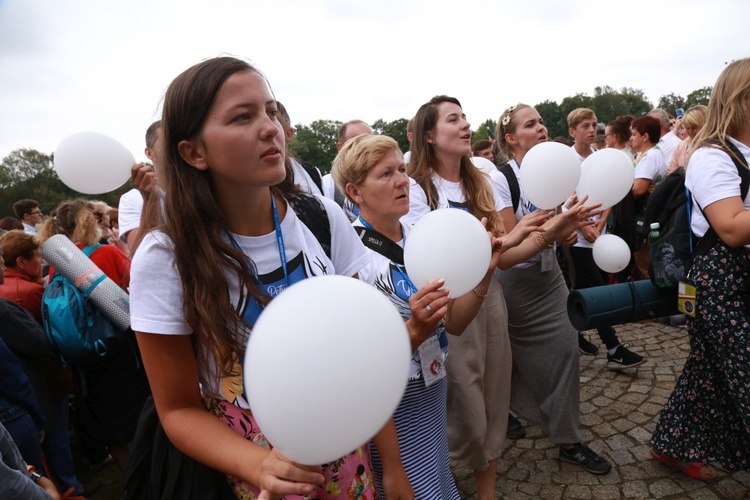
(461,205)
(396,288)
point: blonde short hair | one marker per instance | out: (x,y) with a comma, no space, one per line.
(358,156)
(578,115)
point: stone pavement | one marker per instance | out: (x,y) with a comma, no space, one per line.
(619,411)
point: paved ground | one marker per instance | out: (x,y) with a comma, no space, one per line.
(619,411)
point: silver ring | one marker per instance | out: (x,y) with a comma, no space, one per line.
(429,309)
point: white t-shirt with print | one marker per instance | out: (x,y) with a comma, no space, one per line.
(651,165)
(450,195)
(156,304)
(712,176)
(392,281)
(525,207)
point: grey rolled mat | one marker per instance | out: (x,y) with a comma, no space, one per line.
(72,263)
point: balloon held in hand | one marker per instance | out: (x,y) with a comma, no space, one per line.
(450,244)
(606,177)
(92,163)
(549,173)
(326,366)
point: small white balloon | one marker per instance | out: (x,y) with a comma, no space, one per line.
(450,244)
(549,173)
(407,157)
(606,176)
(325,367)
(483,164)
(611,253)
(92,163)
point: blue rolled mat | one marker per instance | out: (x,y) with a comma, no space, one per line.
(622,303)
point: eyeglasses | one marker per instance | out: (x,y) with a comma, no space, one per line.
(34,213)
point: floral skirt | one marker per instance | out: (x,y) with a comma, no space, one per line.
(348,478)
(707,417)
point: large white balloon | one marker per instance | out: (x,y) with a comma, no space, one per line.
(92,163)
(483,164)
(450,244)
(549,174)
(611,253)
(407,157)
(325,367)
(606,176)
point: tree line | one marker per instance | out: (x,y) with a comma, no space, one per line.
(27,173)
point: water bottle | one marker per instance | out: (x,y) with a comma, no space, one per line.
(655,252)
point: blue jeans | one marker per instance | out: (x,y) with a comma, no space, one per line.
(26,436)
(56,447)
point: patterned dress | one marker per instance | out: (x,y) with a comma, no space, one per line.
(707,417)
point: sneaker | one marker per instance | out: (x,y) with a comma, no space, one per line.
(582,455)
(623,358)
(585,346)
(515,428)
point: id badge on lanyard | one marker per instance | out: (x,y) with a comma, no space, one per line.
(432,361)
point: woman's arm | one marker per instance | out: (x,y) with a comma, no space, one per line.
(172,371)
(730,220)
(395,482)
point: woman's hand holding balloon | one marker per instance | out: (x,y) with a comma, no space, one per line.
(144,178)
(280,476)
(428,306)
(528,224)
(562,225)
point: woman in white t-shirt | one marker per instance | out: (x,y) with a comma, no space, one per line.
(707,417)
(479,367)
(650,167)
(231,241)
(545,385)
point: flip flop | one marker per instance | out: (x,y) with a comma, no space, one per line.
(696,470)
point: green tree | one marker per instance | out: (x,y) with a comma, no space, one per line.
(395,129)
(483,130)
(671,102)
(316,143)
(700,96)
(553,118)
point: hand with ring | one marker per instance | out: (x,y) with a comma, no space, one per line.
(428,306)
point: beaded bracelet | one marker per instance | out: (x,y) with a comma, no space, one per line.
(478,294)
(541,243)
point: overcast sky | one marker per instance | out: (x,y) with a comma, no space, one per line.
(103,65)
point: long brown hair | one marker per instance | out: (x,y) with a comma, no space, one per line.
(475,186)
(195,221)
(727,108)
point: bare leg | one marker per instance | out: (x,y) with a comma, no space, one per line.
(485,481)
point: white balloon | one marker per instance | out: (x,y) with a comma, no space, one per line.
(611,253)
(450,244)
(606,176)
(92,163)
(407,157)
(325,367)
(549,174)
(483,164)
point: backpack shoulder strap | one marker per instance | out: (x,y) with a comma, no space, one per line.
(89,249)
(311,211)
(515,190)
(314,174)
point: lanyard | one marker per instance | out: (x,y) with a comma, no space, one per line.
(379,248)
(279,243)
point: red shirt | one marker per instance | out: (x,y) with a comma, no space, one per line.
(112,261)
(24,291)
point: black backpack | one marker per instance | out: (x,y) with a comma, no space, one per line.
(515,189)
(670,205)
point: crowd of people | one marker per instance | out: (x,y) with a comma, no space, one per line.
(224,218)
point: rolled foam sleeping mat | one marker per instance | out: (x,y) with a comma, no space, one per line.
(621,303)
(72,263)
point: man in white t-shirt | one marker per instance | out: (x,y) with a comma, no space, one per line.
(348,130)
(668,141)
(306,175)
(144,177)
(582,128)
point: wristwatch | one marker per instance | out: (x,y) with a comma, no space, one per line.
(35,476)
